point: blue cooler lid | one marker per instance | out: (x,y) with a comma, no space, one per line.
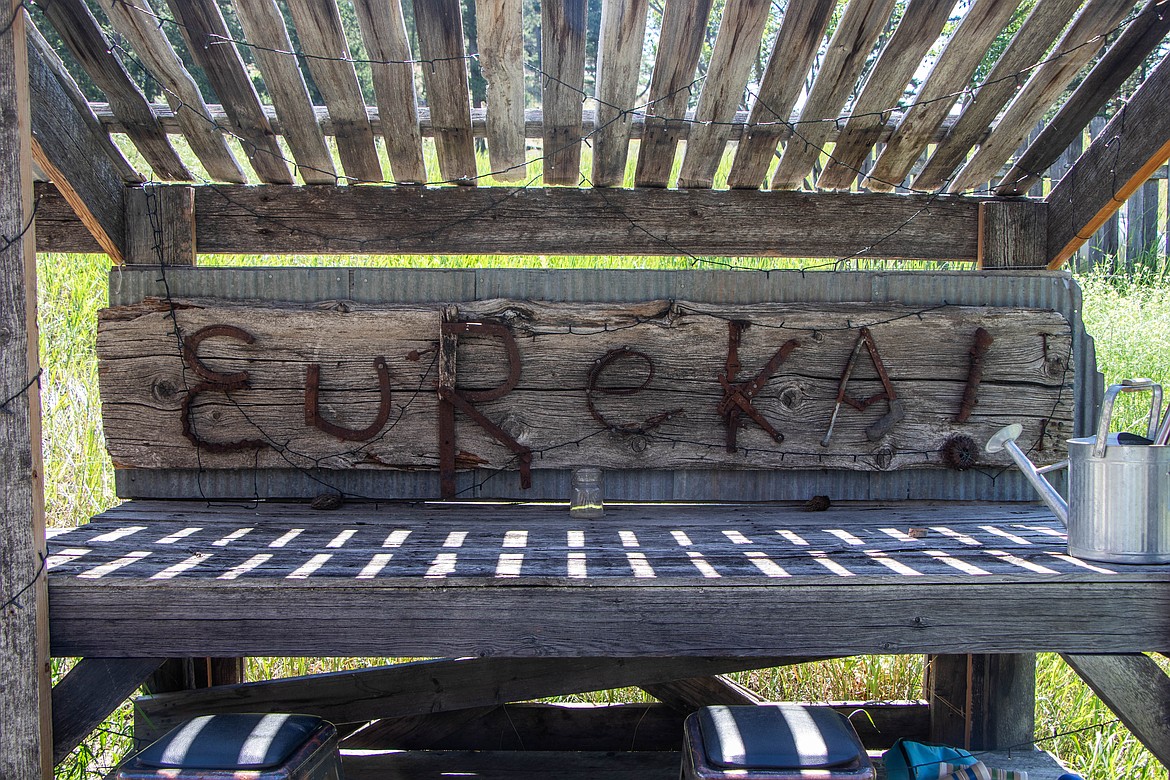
(234,741)
(778,736)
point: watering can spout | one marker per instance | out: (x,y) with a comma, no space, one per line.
(1005,439)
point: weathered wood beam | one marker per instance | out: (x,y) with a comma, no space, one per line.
(80,32)
(1140,37)
(517,765)
(86,696)
(58,228)
(428,687)
(1013,234)
(75,152)
(582,221)
(691,693)
(26,737)
(1136,689)
(1134,144)
(160,225)
(617,727)
(982,702)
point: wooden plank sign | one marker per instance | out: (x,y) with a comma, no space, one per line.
(665,384)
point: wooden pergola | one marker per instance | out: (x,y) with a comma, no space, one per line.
(863,138)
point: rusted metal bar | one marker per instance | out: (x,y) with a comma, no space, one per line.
(737,398)
(978,352)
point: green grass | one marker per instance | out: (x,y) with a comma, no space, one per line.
(1128,315)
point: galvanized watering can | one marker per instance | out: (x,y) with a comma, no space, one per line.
(1118,509)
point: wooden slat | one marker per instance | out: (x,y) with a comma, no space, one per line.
(619,727)
(79,31)
(917,31)
(565,221)
(26,738)
(849,49)
(563,78)
(1030,44)
(691,693)
(384,32)
(1136,689)
(264,28)
(735,52)
(796,45)
(684,27)
(1122,157)
(136,20)
(160,226)
(619,56)
(1013,234)
(86,696)
(208,41)
(440,40)
(322,39)
(1139,38)
(500,27)
(426,687)
(1084,38)
(950,75)
(75,152)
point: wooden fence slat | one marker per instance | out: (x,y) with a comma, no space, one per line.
(736,48)
(91,690)
(684,26)
(563,62)
(1121,158)
(440,41)
(264,28)
(79,31)
(208,41)
(384,32)
(796,45)
(1084,38)
(619,56)
(322,38)
(423,687)
(917,31)
(1141,217)
(1029,45)
(1139,38)
(137,21)
(849,49)
(950,75)
(1136,689)
(72,148)
(26,737)
(500,27)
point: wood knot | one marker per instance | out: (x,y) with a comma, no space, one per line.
(884,457)
(163,390)
(790,397)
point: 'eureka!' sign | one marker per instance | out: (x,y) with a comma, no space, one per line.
(522,384)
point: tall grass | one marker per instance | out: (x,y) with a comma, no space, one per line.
(1128,314)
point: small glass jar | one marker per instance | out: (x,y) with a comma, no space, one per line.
(588,499)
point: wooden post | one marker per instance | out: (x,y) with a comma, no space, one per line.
(1013,234)
(25,730)
(160,225)
(982,702)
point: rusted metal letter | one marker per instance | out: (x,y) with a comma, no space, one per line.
(896,411)
(451,399)
(215,382)
(595,373)
(737,398)
(978,351)
(313,414)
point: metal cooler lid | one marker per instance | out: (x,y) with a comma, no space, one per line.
(778,736)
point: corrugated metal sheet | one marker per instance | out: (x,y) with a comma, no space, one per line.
(1039,290)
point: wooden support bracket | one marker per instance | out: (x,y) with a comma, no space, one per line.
(1013,234)
(86,696)
(982,702)
(160,225)
(691,693)
(1136,689)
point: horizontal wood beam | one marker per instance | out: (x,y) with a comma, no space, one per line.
(75,152)
(617,727)
(1136,689)
(1134,144)
(427,687)
(91,690)
(562,221)
(200,617)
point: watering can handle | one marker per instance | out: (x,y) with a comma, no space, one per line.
(1127,386)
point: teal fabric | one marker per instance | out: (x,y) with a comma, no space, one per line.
(908,760)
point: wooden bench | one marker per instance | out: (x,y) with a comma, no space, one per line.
(342,462)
